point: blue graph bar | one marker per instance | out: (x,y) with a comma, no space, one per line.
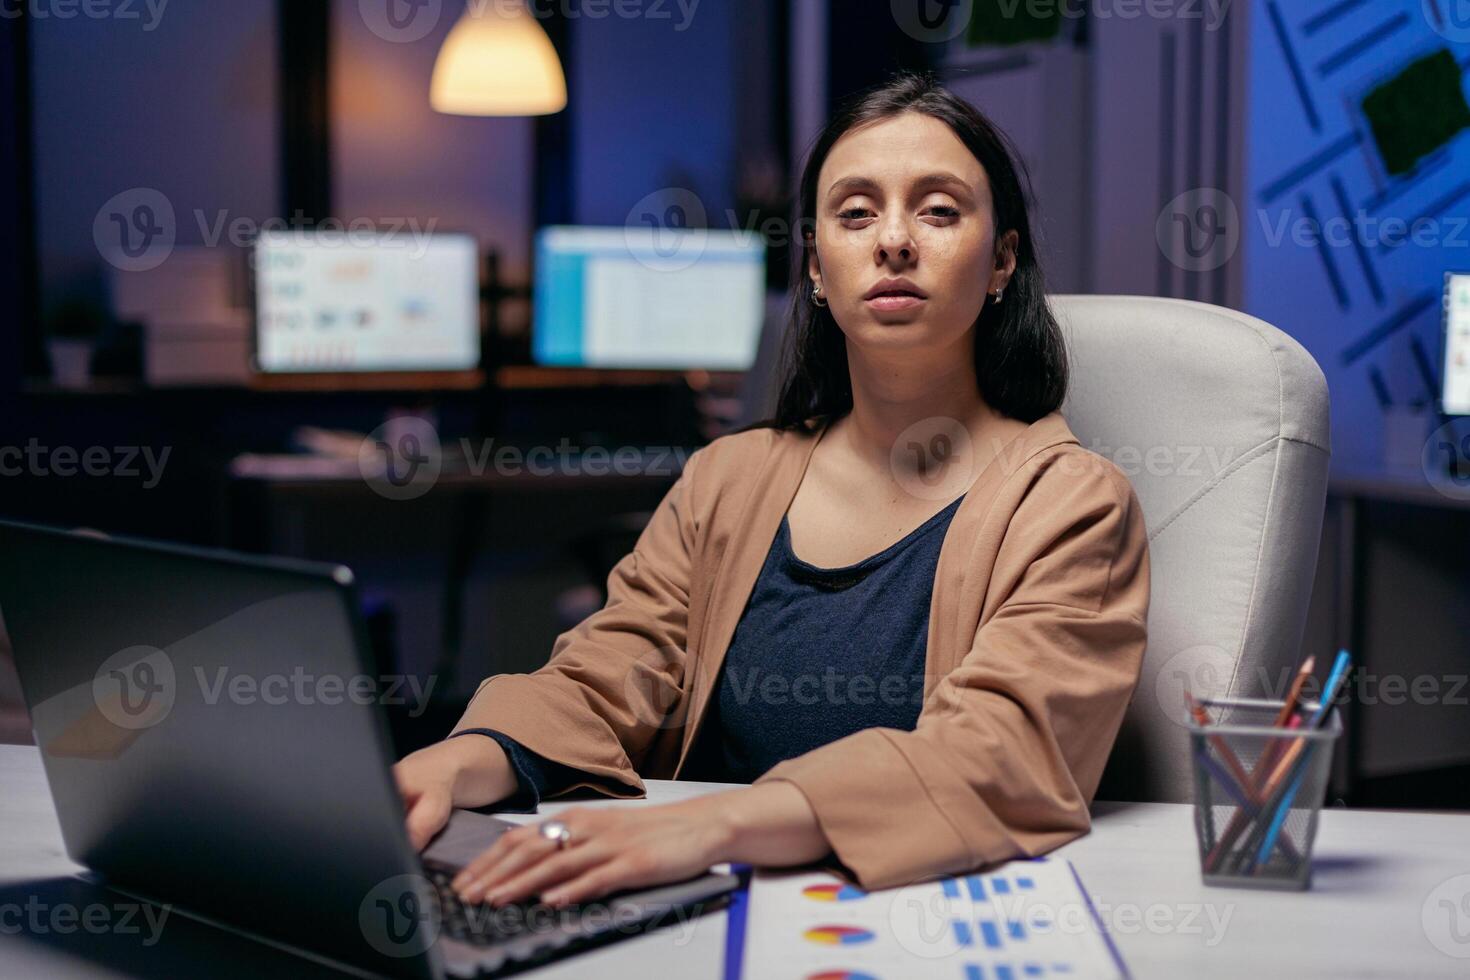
(973,972)
(1003,972)
(1016,930)
(951,888)
(976,884)
(1032,969)
(1025,883)
(991,934)
(962,933)
(1001,886)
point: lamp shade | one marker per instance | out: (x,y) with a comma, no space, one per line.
(498,61)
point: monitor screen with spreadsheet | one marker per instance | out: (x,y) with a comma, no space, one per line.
(345,302)
(1455,398)
(648,298)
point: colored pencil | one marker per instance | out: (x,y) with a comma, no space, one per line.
(1202,719)
(1335,682)
(1285,718)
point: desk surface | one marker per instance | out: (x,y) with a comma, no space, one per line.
(1387,884)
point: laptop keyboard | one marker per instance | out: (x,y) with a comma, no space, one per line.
(485,925)
(512,937)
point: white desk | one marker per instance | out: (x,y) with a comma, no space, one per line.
(1364,917)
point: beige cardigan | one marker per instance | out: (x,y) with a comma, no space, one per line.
(1036,639)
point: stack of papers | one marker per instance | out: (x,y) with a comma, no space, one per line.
(1028,919)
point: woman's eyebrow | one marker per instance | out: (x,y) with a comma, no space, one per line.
(929,181)
(943,178)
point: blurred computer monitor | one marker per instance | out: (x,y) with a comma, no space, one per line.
(1455,398)
(344,303)
(650,298)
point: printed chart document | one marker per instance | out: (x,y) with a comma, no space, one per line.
(1027,919)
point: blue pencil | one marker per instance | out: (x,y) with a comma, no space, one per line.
(1226,781)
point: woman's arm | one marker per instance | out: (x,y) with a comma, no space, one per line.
(467,772)
(612,849)
(612,685)
(535,777)
(474,768)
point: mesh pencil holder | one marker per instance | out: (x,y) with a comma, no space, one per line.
(1257,792)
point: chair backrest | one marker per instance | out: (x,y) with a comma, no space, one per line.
(1220,421)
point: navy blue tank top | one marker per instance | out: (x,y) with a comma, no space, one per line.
(821,653)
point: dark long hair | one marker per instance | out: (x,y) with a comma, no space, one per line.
(1020,357)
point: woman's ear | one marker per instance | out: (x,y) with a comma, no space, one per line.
(1005,260)
(813,267)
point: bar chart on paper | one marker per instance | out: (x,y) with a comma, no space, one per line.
(1027,919)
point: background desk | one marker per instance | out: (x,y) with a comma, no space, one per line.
(1392,575)
(1364,917)
(526,511)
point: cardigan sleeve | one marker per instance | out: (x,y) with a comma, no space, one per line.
(613,681)
(535,777)
(1010,745)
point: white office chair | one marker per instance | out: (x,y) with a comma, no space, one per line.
(1221,423)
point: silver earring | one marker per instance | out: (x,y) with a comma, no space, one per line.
(998,294)
(817,295)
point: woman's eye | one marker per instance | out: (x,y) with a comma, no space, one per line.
(859,213)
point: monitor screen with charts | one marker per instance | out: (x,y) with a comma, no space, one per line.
(348,302)
(1456,395)
(649,298)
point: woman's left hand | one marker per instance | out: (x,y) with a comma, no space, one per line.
(610,849)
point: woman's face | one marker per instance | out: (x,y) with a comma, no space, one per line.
(903,198)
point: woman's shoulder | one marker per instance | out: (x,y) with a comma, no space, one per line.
(731,467)
(1053,468)
(748,451)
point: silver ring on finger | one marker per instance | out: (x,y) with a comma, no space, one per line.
(555,830)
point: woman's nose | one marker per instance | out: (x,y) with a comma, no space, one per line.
(895,242)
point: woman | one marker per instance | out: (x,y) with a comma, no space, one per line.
(909,611)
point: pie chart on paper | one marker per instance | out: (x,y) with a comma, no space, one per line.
(838,935)
(833,893)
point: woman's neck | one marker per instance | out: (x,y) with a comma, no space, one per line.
(893,395)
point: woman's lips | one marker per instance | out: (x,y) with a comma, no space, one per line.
(890,302)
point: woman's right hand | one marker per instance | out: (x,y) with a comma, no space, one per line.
(468,771)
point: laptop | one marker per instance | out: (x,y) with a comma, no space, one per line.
(213,735)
